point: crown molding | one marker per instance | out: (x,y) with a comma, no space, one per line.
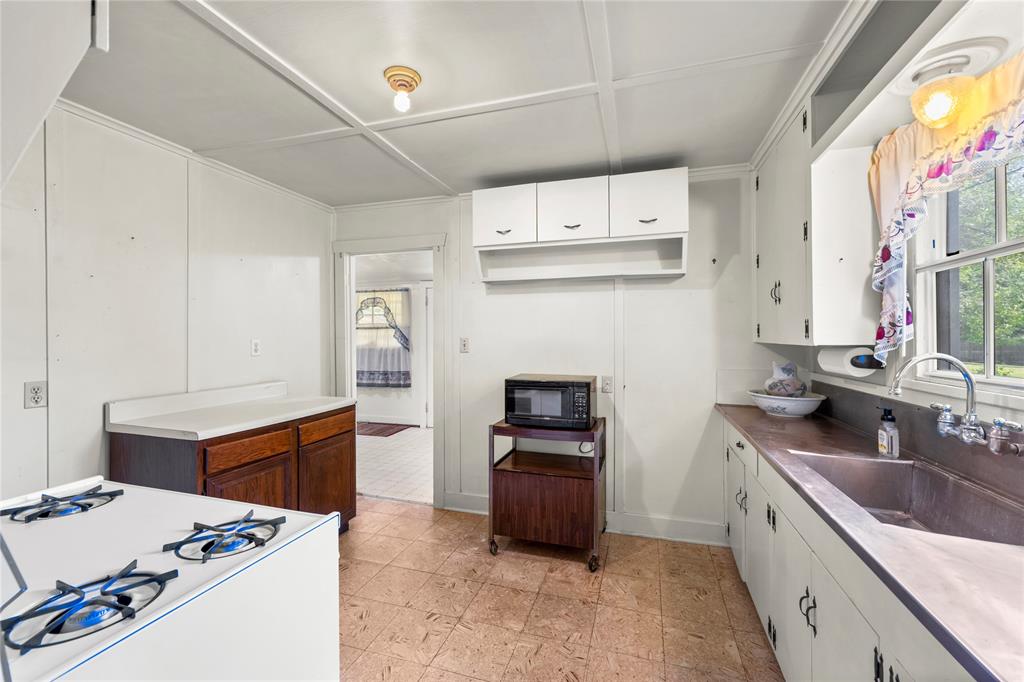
(418,201)
(727,172)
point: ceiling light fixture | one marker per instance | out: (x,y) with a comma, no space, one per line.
(402,80)
(942,89)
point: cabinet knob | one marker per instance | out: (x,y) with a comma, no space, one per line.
(740,445)
(648,221)
(571,227)
(505,231)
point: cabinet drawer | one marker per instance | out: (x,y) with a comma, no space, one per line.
(505,215)
(743,449)
(238,452)
(655,202)
(572,209)
(318,430)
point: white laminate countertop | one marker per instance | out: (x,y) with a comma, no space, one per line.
(218,412)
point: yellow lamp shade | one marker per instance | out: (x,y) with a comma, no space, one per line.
(939,103)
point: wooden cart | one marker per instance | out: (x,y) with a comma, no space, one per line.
(557,499)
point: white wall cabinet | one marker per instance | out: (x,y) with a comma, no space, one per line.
(653,202)
(815,235)
(505,215)
(572,209)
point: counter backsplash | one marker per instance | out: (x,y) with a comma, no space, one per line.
(916,424)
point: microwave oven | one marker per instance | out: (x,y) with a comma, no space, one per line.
(562,401)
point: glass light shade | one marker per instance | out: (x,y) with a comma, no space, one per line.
(939,103)
(402,101)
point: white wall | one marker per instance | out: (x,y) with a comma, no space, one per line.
(157,269)
(674,347)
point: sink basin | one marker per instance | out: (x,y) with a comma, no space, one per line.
(914,494)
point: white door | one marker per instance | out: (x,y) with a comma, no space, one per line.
(572,209)
(505,215)
(735,517)
(655,202)
(429,327)
(845,646)
(765,260)
(759,548)
(791,584)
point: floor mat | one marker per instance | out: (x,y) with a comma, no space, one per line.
(383,430)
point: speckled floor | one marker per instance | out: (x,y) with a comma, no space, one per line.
(423,599)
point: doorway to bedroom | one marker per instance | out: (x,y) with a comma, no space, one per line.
(394,374)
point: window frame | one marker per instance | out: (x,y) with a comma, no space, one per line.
(922,283)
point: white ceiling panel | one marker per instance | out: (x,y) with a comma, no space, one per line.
(708,120)
(405,267)
(467,52)
(551,141)
(170,74)
(349,170)
(653,36)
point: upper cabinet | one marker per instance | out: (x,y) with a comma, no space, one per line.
(505,215)
(655,202)
(572,209)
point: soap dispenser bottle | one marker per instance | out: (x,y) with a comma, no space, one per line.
(888,435)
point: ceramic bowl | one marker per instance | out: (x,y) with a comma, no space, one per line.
(781,406)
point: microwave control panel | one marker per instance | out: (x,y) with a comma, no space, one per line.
(580,400)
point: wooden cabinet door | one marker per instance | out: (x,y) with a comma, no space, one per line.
(759,548)
(572,209)
(267,483)
(654,202)
(327,476)
(791,581)
(845,646)
(505,215)
(734,475)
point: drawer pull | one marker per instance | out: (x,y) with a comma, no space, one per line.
(648,221)
(504,232)
(571,227)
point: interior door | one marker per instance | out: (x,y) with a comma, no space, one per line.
(845,646)
(734,475)
(759,548)
(790,593)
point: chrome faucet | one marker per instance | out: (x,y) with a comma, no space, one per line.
(970,430)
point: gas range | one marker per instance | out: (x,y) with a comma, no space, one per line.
(102,561)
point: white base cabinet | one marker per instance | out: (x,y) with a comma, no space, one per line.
(845,646)
(791,633)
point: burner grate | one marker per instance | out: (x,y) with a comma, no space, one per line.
(225,539)
(50,507)
(73,612)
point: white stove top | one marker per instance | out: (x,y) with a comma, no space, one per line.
(87,546)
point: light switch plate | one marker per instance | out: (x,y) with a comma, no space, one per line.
(607,384)
(464,345)
(35,394)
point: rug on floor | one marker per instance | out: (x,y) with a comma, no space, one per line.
(383,430)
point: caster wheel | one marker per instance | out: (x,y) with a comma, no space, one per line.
(494,547)
(592,564)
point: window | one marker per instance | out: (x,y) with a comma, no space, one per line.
(969,278)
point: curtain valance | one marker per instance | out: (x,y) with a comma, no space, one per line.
(915,161)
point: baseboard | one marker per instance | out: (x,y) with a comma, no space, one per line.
(683,530)
(467,502)
(384,419)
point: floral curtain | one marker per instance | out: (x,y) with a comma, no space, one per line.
(383,357)
(915,161)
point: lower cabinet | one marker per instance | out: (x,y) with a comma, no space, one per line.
(735,514)
(327,471)
(791,633)
(266,483)
(758,553)
(845,646)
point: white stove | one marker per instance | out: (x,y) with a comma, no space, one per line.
(126,582)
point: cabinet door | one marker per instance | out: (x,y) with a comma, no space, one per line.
(327,476)
(267,483)
(505,215)
(572,209)
(793,178)
(895,672)
(655,202)
(734,474)
(766,309)
(845,646)
(791,583)
(759,548)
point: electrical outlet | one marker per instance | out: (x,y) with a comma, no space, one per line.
(35,394)
(255,347)
(607,384)
(464,345)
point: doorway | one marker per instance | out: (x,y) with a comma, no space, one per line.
(391,324)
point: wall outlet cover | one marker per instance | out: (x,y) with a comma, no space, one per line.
(35,394)
(255,347)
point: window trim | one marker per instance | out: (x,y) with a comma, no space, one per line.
(921,282)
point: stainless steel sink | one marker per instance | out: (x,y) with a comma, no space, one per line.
(914,494)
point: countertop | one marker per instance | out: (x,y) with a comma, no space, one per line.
(968,593)
(208,414)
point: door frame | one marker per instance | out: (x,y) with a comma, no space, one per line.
(344,308)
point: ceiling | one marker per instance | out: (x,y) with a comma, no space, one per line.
(293,91)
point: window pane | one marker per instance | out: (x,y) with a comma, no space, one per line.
(1009,315)
(960,315)
(971,215)
(1015,199)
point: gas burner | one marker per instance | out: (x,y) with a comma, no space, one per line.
(75,612)
(50,507)
(225,539)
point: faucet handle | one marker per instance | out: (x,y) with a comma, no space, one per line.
(941,407)
(1001,423)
